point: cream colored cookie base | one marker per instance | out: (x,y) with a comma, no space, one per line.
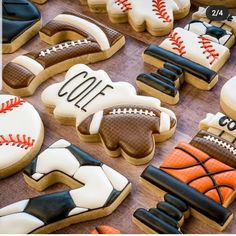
(189,78)
(117,18)
(26,160)
(228,110)
(143,227)
(194,213)
(63,66)
(150,91)
(55,177)
(39,1)
(96,8)
(22,39)
(226,3)
(120,152)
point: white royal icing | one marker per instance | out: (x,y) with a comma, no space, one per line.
(91,95)
(62,143)
(14,208)
(86,26)
(19,223)
(193,49)
(17,120)
(77,211)
(96,122)
(29,63)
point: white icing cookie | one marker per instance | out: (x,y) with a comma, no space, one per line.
(156,16)
(228,98)
(102,191)
(196,48)
(21,134)
(85,93)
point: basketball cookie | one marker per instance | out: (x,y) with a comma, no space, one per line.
(97,190)
(95,105)
(225,3)
(228,98)
(21,21)
(193,54)
(91,42)
(21,134)
(197,179)
(155,16)
(105,229)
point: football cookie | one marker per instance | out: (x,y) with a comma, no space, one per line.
(225,3)
(96,105)
(91,42)
(193,54)
(21,21)
(97,191)
(21,134)
(155,16)
(197,179)
(228,98)
(105,229)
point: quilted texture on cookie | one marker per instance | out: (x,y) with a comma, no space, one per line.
(202,172)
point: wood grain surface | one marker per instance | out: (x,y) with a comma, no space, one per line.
(126,65)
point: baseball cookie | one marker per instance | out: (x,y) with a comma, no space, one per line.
(91,42)
(228,98)
(225,3)
(97,191)
(155,16)
(105,229)
(21,21)
(96,105)
(198,179)
(21,134)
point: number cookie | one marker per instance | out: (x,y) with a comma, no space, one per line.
(97,191)
(198,178)
(228,98)
(155,16)
(21,134)
(91,42)
(193,54)
(21,21)
(96,105)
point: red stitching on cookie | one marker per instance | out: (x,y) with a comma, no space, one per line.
(207,45)
(177,42)
(125,5)
(20,141)
(11,104)
(159,6)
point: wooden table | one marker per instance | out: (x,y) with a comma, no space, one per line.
(123,66)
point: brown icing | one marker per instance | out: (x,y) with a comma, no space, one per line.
(131,132)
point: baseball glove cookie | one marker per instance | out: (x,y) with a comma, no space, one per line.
(21,21)
(126,123)
(91,42)
(21,134)
(155,16)
(97,190)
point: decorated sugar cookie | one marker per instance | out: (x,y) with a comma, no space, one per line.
(228,98)
(155,16)
(95,105)
(97,190)
(21,21)
(197,179)
(193,54)
(75,38)
(21,134)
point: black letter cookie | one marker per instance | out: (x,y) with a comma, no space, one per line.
(155,16)
(198,179)
(21,21)
(126,123)
(21,134)
(97,191)
(91,42)
(193,54)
